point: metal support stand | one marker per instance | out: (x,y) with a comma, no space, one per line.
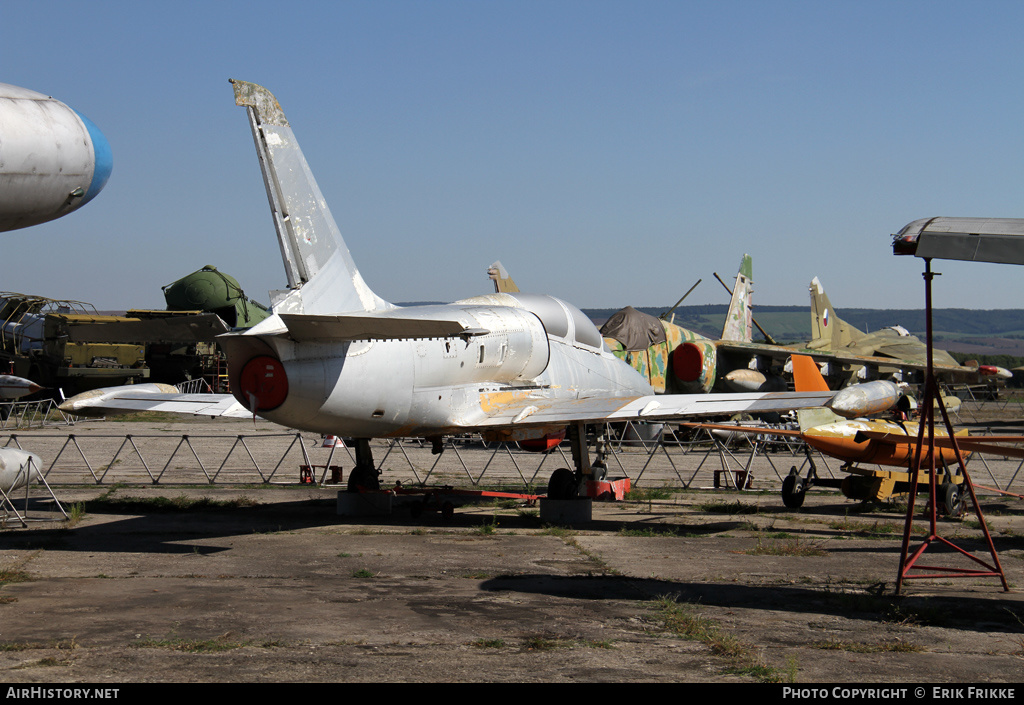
(932,398)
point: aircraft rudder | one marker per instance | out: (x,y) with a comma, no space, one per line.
(747,267)
(739,318)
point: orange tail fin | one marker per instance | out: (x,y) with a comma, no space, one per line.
(806,375)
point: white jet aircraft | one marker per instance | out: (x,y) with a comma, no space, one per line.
(338,359)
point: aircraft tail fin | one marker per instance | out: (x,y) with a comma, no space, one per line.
(807,378)
(739,319)
(322,277)
(806,375)
(503,283)
(825,324)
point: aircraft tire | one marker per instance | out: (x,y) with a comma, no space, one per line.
(953,500)
(368,479)
(562,484)
(793,491)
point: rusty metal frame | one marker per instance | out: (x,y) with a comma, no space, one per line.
(926,439)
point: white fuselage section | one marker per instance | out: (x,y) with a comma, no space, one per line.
(521,347)
(52,159)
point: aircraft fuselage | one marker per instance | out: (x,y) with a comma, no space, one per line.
(54,160)
(520,347)
(839,440)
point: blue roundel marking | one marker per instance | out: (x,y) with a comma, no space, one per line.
(103,159)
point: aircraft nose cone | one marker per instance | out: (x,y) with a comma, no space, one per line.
(103,159)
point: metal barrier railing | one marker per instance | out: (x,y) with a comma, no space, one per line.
(666,457)
(32,414)
(100,458)
(7,496)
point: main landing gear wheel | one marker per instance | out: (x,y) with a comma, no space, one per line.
(953,499)
(562,484)
(366,478)
(793,490)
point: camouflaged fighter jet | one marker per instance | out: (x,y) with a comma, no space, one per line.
(676,360)
(338,359)
(886,350)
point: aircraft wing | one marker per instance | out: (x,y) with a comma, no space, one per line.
(521,412)
(780,352)
(659,407)
(991,445)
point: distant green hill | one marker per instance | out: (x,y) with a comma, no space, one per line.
(793,323)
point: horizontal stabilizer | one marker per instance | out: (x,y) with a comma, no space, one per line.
(133,398)
(175,329)
(308,329)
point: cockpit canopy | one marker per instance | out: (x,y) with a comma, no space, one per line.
(561,319)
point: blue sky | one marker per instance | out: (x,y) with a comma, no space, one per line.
(609,153)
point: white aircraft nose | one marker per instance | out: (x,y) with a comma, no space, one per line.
(865,399)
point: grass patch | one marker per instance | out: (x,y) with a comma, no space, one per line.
(487,528)
(721,506)
(180,503)
(537,642)
(896,506)
(76,512)
(488,643)
(540,643)
(888,609)
(876,529)
(685,622)
(477,575)
(69,645)
(859,647)
(50,662)
(786,547)
(13,575)
(644,494)
(652,531)
(197,646)
(559,531)
(505,503)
